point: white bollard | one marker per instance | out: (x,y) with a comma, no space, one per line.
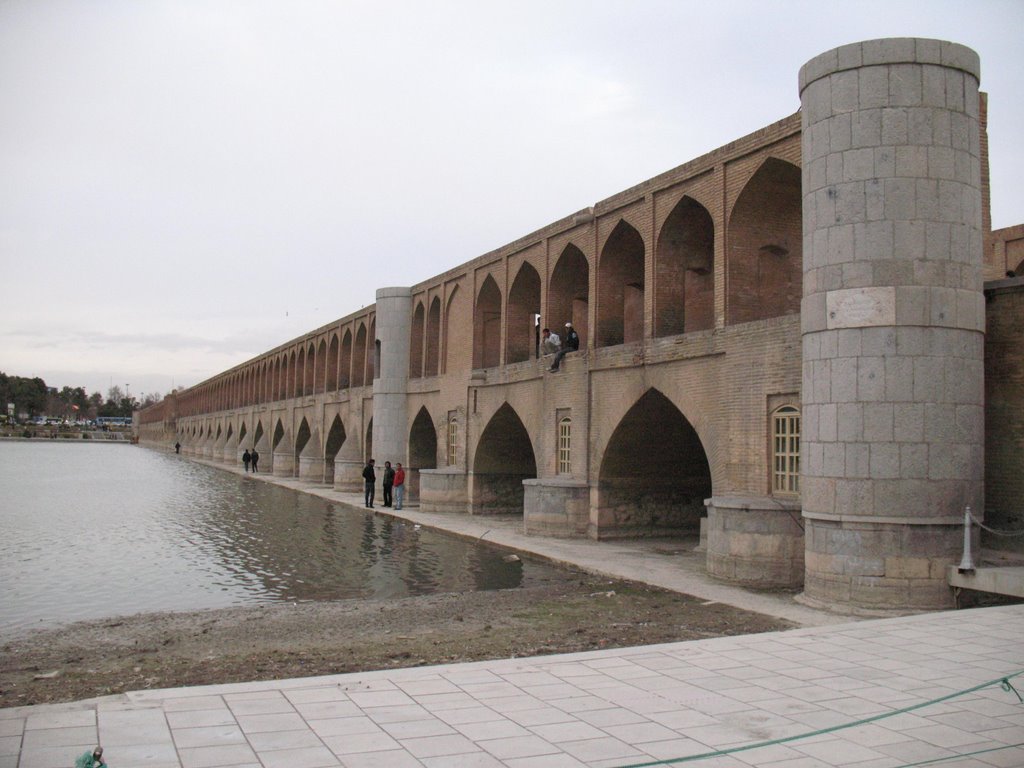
(966,562)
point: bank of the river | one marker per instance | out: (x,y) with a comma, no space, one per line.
(579,612)
(597,602)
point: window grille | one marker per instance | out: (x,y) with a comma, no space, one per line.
(786,450)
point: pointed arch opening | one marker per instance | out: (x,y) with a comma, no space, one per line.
(654,474)
(320,368)
(302,437)
(765,260)
(332,364)
(335,439)
(359,357)
(298,386)
(456,338)
(569,293)
(433,340)
(345,366)
(504,458)
(684,274)
(487,326)
(521,332)
(620,288)
(422,450)
(416,342)
(373,359)
(368,443)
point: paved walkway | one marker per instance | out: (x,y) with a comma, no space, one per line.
(612,708)
(602,709)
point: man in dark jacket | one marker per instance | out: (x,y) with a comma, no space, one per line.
(369,482)
(570,343)
(388,481)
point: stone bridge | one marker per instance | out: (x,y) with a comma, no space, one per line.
(784,337)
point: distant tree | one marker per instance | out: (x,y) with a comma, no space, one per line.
(150,398)
(28,395)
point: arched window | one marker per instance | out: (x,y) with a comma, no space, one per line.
(565,446)
(786,450)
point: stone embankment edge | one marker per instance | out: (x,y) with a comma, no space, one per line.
(632,560)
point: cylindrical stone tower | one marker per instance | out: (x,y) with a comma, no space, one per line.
(893,320)
(390,387)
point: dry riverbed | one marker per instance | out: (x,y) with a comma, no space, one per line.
(574,612)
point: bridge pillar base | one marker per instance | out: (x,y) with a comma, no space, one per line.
(756,541)
(284,465)
(348,476)
(556,508)
(444,490)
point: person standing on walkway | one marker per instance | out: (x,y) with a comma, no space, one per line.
(388,480)
(399,486)
(246,458)
(571,344)
(369,483)
(177,447)
(254,457)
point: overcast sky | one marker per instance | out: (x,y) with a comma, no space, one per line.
(184,185)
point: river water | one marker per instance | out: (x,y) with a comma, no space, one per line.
(93,531)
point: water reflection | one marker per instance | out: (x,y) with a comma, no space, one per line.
(101,530)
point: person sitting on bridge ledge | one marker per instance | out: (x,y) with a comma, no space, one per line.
(572,343)
(550,343)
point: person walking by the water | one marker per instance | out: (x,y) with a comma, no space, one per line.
(92,759)
(177,447)
(254,457)
(246,458)
(369,483)
(399,485)
(388,481)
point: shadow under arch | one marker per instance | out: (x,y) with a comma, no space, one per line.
(504,458)
(654,474)
(422,451)
(765,252)
(335,439)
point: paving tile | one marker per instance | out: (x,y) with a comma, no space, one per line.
(570,731)
(200,718)
(160,755)
(264,723)
(398,713)
(477,714)
(210,736)
(307,757)
(276,705)
(52,757)
(344,726)
(267,742)
(395,758)
(543,761)
(323,710)
(518,746)
(410,729)
(57,718)
(311,695)
(491,729)
(14,726)
(215,757)
(471,760)
(356,743)
(608,748)
(437,746)
(59,737)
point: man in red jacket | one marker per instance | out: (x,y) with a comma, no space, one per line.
(399,487)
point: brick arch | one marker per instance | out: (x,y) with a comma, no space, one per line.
(331,379)
(320,368)
(654,473)
(504,457)
(299,383)
(345,366)
(569,293)
(423,441)
(487,326)
(684,271)
(523,307)
(433,340)
(453,350)
(764,262)
(419,320)
(359,357)
(620,287)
